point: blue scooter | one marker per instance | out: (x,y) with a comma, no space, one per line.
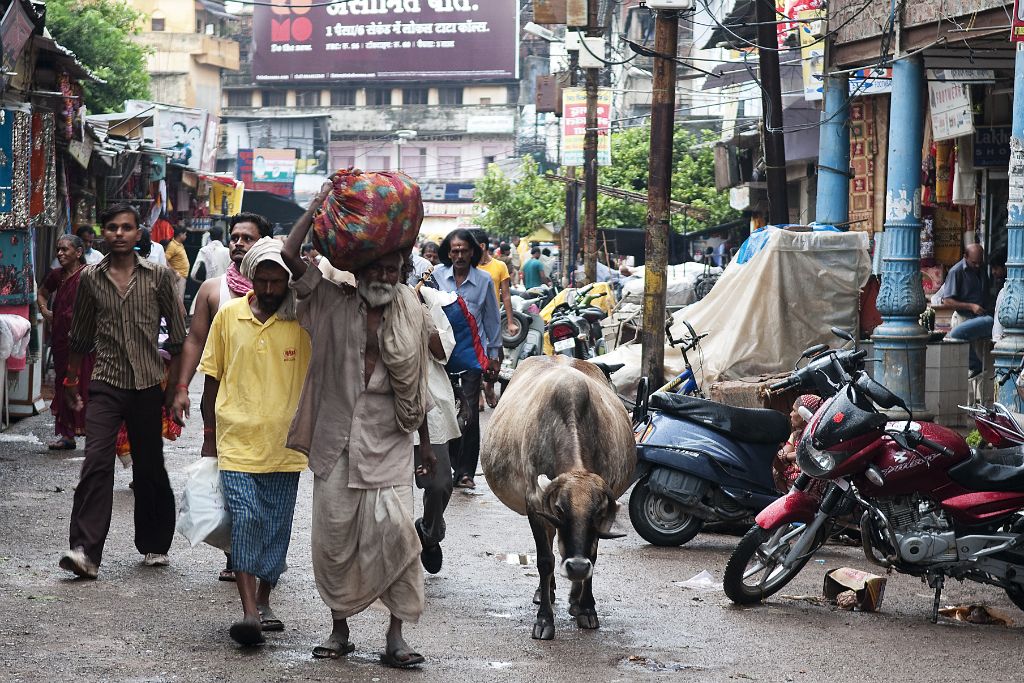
(699,461)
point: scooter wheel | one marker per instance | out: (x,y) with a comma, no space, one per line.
(660,520)
(756,570)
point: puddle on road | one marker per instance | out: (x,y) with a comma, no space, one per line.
(523,559)
(649,664)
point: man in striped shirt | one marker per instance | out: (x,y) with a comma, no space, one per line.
(120,303)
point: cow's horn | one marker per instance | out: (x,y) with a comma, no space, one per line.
(543,482)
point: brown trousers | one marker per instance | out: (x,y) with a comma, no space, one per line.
(94,497)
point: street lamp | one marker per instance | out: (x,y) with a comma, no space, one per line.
(401,137)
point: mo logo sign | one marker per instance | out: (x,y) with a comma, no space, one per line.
(289,22)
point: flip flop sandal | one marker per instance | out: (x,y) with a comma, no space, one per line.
(246,633)
(326,651)
(226,575)
(391,659)
(62,445)
(269,621)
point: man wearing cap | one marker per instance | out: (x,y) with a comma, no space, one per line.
(255,341)
(365,394)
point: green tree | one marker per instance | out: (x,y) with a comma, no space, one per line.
(99,33)
(519,207)
(693,179)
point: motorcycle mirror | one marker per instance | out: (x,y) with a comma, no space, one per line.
(842,334)
(814,350)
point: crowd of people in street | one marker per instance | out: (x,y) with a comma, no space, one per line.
(345,373)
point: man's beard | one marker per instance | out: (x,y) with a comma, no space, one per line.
(377,294)
(283,308)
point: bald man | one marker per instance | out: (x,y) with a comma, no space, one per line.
(966,290)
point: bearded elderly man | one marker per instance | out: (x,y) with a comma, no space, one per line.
(365,393)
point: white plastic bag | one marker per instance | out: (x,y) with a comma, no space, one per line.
(204,514)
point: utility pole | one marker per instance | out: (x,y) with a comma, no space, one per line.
(590,160)
(572,191)
(771,104)
(659,185)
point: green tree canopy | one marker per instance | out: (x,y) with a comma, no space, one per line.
(518,207)
(99,33)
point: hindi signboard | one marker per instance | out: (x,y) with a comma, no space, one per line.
(1017,25)
(381,40)
(574,126)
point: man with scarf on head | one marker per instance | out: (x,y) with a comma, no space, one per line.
(365,393)
(256,343)
(246,229)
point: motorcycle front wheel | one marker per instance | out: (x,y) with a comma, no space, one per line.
(660,520)
(755,569)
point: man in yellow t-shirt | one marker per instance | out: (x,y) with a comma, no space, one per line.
(177,259)
(499,275)
(255,346)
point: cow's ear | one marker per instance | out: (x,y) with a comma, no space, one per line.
(611,511)
(609,535)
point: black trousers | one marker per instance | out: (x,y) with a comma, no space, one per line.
(437,491)
(465,451)
(94,497)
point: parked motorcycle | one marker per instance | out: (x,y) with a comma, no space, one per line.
(998,426)
(528,340)
(925,503)
(700,461)
(575,326)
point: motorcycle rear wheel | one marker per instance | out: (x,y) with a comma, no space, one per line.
(660,520)
(755,570)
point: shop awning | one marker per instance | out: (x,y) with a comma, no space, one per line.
(737,30)
(276,209)
(65,59)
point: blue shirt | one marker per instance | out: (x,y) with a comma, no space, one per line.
(478,292)
(533,272)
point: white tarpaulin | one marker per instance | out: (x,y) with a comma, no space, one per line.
(679,290)
(763,313)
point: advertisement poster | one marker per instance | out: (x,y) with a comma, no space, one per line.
(1017,26)
(450,40)
(950,104)
(574,126)
(812,55)
(273,165)
(180,130)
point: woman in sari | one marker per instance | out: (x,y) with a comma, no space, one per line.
(62,284)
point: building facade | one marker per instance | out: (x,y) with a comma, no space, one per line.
(190,50)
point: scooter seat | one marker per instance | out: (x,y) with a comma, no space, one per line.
(750,425)
(992,470)
(593,314)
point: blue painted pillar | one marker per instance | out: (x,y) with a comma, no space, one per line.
(900,340)
(1011,313)
(833,207)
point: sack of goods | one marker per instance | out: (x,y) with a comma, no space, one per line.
(368,215)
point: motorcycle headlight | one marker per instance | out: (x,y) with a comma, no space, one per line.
(814,461)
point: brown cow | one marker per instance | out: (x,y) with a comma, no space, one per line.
(560,450)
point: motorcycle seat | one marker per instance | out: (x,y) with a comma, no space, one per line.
(750,425)
(1000,470)
(593,314)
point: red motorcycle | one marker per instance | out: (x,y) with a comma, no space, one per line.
(997,426)
(924,502)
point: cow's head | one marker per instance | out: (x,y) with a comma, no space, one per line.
(582,509)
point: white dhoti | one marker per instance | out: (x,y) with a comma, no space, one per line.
(365,547)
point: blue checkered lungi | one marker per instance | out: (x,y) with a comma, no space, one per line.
(262,507)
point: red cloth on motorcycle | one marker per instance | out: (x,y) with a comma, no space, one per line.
(751,425)
(367,216)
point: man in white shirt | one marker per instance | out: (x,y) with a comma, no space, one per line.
(214,257)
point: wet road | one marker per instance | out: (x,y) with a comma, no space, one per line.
(170,624)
